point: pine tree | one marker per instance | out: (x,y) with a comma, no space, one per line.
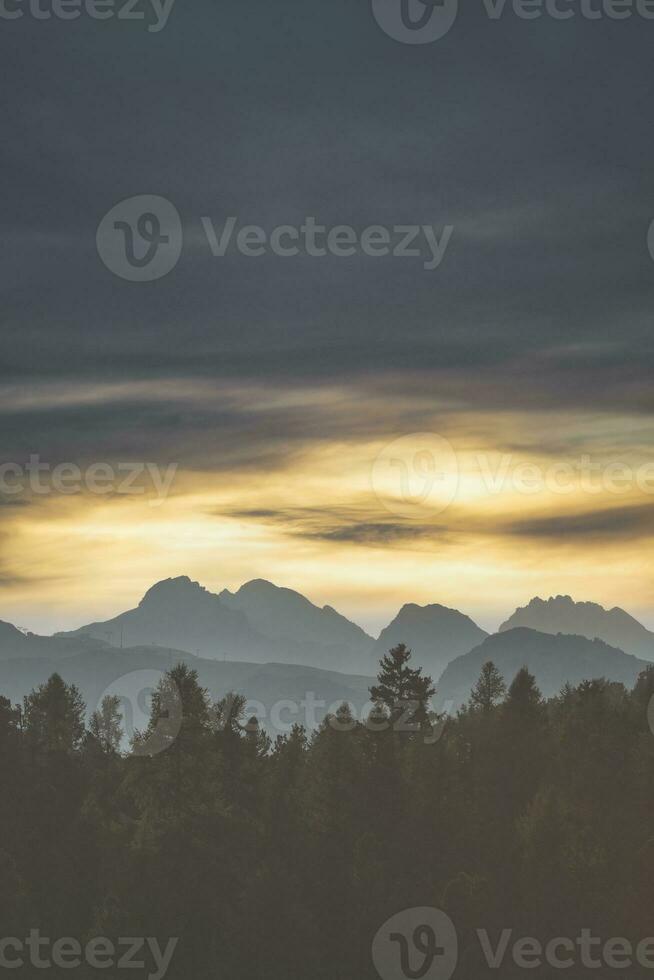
(9,720)
(524,703)
(523,731)
(489,689)
(402,694)
(105,725)
(179,713)
(54,716)
(227,715)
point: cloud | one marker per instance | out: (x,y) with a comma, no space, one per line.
(549,249)
(620,523)
(375,534)
(257,375)
(345,525)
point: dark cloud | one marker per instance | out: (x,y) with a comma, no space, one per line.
(633,521)
(532,139)
(375,535)
(345,525)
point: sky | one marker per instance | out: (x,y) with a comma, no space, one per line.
(360,427)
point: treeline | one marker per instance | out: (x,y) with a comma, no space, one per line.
(282,860)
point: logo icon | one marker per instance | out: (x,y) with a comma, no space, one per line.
(415,21)
(650,239)
(416,476)
(151,710)
(141,238)
(416,944)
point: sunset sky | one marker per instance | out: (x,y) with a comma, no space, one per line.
(510,388)
(512,511)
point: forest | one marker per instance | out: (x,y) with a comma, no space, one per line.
(284,859)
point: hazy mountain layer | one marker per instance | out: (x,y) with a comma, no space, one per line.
(181,614)
(435,634)
(553,659)
(300,628)
(259,623)
(278,694)
(561,614)
(27,646)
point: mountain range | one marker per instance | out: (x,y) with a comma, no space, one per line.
(270,643)
(262,622)
(553,659)
(560,614)
(259,623)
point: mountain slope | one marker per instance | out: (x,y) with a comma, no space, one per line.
(434,633)
(553,659)
(28,646)
(260,623)
(13,643)
(561,614)
(298,627)
(181,614)
(279,694)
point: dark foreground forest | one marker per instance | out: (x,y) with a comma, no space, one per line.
(283,861)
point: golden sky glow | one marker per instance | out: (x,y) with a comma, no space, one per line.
(475,519)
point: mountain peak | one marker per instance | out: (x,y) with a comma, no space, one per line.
(262,587)
(171,589)
(562,614)
(554,659)
(435,634)
(298,626)
(257,584)
(561,602)
(10,632)
(260,592)
(411,609)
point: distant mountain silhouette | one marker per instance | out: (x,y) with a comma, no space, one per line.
(307,633)
(435,635)
(15,644)
(181,614)
(561,614)
(264,624)
(553,659)
(259,623)
(138,669)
